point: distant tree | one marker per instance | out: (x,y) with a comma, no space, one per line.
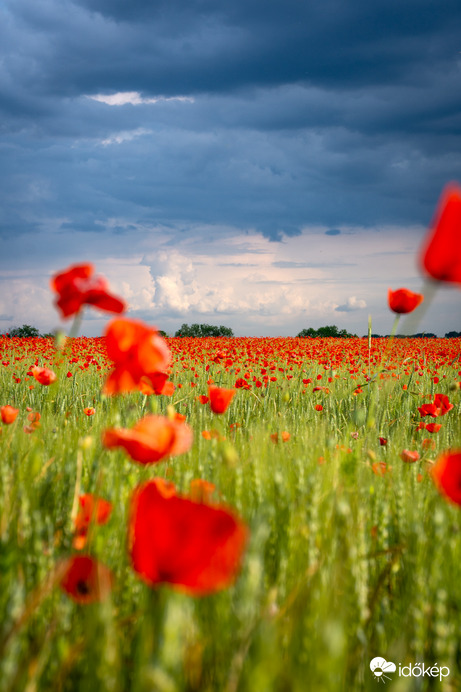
(203,330)
(307,333)
(162,333)
(25,331)
(452,335)
(323,332)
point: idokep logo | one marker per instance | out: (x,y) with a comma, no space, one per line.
(380,667)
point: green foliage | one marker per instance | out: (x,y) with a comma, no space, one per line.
(323,332)
(26,331)
(203,330)
(452,335)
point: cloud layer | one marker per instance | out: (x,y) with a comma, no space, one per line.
(203,122)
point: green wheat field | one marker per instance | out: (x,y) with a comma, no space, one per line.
(353,553)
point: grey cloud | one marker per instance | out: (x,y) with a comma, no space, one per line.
(351,305)
(281,264)
(236,264)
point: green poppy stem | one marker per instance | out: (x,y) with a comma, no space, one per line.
(412,320)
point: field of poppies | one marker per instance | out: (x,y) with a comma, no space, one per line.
(229,514)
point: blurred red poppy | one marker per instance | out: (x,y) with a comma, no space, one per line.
(89,411)
(194,546)
(442,402)
(85,579)
(44,375)
(402,300)
(285,436)
(446,474)
(138,353)
(76,286)
(220,398)
(212,435)
(428,443)
(433,427)
(441,254)
(380,468)
(156,384)
(8,414)
(409,456)
(92,509)
(151,439)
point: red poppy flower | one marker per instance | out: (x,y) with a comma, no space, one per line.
(428,443)
(442,402)
(85,579)
(194,546)
(220,398)
(402,300)
(446,474)
(8,414)
(44,375)
(433,427)
(151,439)
(92,509)
(441,254)
(76,286)
(285,436)
(439,407)
(138,353)
(382,441)
(89,411)
(428,410)
(380,468)
(409,456)
(241,383)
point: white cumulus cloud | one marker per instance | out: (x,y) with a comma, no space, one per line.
(121,98)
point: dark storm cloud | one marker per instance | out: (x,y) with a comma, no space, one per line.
(327,113)
(216,46)
(195,47)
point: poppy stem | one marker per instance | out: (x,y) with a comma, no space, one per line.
(75,328)
(151,627)
(412,320)
(78,481)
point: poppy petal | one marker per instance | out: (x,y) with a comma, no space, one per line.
(85,579)
(191,545)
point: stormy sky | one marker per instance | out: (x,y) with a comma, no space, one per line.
(269,165)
